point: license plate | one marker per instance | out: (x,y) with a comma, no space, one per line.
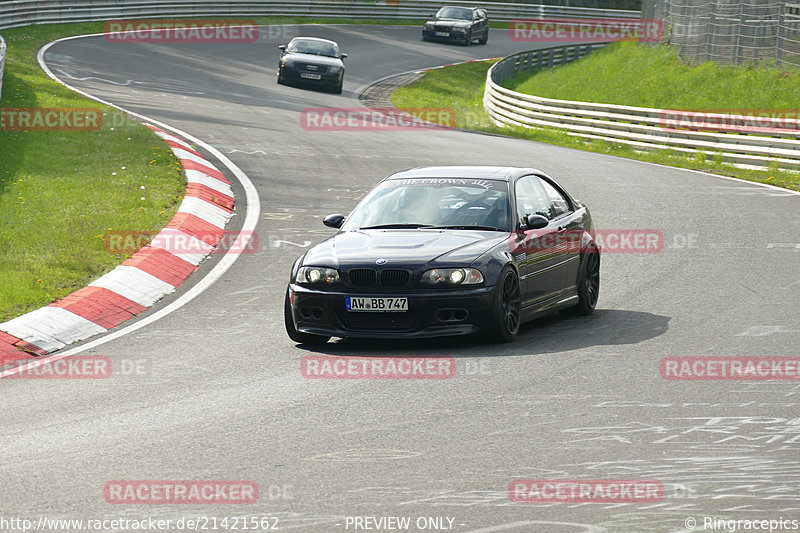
(310,76)
(376,305)
(442,34)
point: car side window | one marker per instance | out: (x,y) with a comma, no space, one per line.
(559,205)
(532,199)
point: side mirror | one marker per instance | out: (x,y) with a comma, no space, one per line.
(335,221)
(343,56)
(536,222)
(282,47)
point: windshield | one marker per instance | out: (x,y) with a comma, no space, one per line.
(433,203)
(460,13)
(313,47)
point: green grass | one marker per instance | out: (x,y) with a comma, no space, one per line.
(61,191)
(461,87)
(458,88)
(654,76)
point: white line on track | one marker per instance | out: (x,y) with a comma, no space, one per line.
(579,528)
(741,181)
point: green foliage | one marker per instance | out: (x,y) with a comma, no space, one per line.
(61,191)
(627,73)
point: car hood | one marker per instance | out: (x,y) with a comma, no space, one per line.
(312,58)
(452,23)
(402,248)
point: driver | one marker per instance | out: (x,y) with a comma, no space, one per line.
(420,205)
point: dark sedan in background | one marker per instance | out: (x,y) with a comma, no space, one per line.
(447,251)
(312,61)
(460,24)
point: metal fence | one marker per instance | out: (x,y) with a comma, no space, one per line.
(746,141)
(537,59)
(731,31)
(23,12)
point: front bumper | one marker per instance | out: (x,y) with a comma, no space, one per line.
(452,35)
(327,79)
(430,313)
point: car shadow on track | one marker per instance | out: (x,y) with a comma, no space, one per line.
(316,89)
(550,334)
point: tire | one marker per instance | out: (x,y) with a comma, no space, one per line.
(338,88)
(506,309)
(484,39)
(468,38)
(296,336)
(281,81)
(588,284)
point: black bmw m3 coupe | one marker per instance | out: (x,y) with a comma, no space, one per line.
(458,24)
(447,251)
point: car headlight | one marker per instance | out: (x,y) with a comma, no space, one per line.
(459,30)
(335,69)
(287,63)
(452,276)
(429,25)
(316,275)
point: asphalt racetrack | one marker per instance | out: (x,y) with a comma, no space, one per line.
(213,390)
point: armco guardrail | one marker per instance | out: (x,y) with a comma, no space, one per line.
(2,62)
(739,139)
(536,59)
(22,12)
